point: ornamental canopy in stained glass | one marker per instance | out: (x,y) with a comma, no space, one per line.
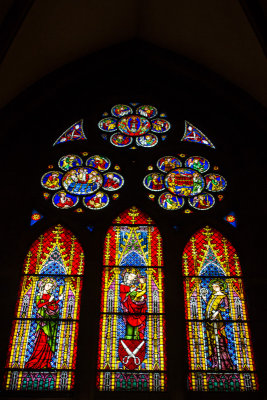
(43,343)
(219,345)
(131,352)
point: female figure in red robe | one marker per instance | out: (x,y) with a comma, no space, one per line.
(131,302)
(46,331)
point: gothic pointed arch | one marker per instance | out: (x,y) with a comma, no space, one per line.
(219,346)
(131,352)
(43,342)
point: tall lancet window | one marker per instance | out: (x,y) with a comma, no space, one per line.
(132,324)
(43,342)
(219,345)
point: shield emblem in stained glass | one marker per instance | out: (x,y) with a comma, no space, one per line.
(132,352)
(134,125)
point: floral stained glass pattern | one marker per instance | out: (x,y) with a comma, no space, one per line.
(136,124)
(184,182)
(89,181)
(219,345)
(132,324)
(43,343)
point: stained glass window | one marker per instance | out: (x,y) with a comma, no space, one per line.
(73,133)
(86,180)
(193,134)
(134,124)
(131,352)
(219,346)
(43,342)
(190,181)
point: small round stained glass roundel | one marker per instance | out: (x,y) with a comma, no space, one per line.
(108,124)
(167,163)
(69,161)
(184,182)
(148,140)
(120,140)
(99,162)
(202,201)
(133,125)
(170,202)
(120,110)
(215,182)
(83,180)
(64,200)
(147,111)
(200,164)
(52,180)
(112,181)
(154,181)
(160,125)
(96,201)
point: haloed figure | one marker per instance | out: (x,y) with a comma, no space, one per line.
(47,324)
(217,340)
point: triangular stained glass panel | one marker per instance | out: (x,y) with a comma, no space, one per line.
(192,134)
(75,132)
(35,217)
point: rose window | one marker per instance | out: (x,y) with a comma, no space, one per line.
(134,125)
(183,182)
(86,182)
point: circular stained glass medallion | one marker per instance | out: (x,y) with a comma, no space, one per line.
(120,140)
(170,202)
(52,180)
(148,140)
(120,110)
(83,180)
(133,125)
(112,181)
(69,161)
(167,163)
(96,201)
(215,182)
(160,125)
(203,201)
(108,124)
(147,111)
(184,182)
(200,164)
(64,200)
(154,181)
(99,162)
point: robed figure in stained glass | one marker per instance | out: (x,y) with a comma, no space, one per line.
(133,300)
(47,324)
(216,335)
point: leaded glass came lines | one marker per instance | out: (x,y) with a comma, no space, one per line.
(131,352)
(43,343)
(220,354)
